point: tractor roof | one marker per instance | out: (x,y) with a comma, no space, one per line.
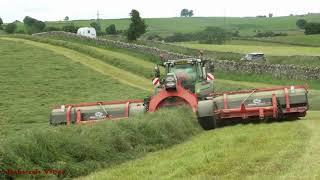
(256,53)
(180,61)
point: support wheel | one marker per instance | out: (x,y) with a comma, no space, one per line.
(208,122)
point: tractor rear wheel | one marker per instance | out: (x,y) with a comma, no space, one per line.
(208,122)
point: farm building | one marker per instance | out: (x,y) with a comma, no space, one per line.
(87,31)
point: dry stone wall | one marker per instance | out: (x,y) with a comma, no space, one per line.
(276,70)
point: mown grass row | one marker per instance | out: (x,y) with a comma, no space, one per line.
(93,42)
(80,150)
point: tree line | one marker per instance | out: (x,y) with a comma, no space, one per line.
(309,27)
(136,28)
(210,35)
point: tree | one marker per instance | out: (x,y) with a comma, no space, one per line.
(190,13)
(184,13)
(213,35)
(66,18)
(96,26)
(301,23)
(270,15)
(1,22)
(10,28)
(137,26)
(111,29)
(32,25)
(312,28)
(70,28)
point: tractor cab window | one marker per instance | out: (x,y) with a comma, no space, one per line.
(184,71)
(187,68)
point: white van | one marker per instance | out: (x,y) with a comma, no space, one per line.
(87,31)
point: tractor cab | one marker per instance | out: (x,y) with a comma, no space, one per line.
(192,74)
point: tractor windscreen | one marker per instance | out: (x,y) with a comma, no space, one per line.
(186,74)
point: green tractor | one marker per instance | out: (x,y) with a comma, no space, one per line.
(193,75)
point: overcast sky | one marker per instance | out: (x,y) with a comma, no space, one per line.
(11,10)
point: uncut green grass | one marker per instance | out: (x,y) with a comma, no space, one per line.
(80,150)
(302,40)
(268,50)
(239,152)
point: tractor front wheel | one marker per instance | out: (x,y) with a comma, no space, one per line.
(208,122)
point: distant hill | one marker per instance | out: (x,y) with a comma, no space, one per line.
(247,26)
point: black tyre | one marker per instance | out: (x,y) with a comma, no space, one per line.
(208,122)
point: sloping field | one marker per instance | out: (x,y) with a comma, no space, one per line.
(166,26)
(140,66)
(303,40)
(283,150)
(268,50)
(35,76)
(95,64)
(41,78)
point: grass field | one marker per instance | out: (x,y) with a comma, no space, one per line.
(280,50)
(276,53)
(32,81)
(166,26)
(239,81)
(226,54)
(302,40)
(35,75)
(95,64)
(237,152)
(141,64)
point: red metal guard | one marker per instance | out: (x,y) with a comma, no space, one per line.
(261,112)
(180,92)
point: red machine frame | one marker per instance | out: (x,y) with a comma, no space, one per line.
(261,112)
(190,98)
